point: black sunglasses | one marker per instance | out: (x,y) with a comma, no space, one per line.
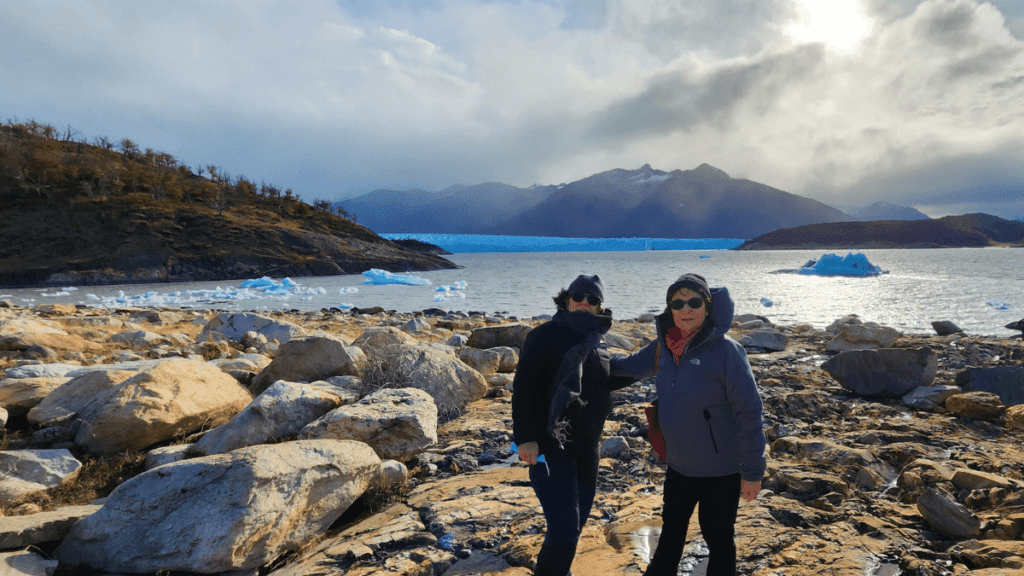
(694,303)
(592,300)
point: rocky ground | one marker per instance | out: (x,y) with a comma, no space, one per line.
(889,453)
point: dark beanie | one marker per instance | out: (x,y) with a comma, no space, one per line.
(694,282)
(584,284)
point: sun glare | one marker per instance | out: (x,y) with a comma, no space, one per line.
(840,23)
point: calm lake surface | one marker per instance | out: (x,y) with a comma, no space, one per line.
(980,289)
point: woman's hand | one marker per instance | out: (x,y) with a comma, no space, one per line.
(528,452)
(748,490)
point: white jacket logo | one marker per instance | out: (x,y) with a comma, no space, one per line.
(695,361)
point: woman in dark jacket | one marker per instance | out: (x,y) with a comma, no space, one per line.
(561,398)
(710,415)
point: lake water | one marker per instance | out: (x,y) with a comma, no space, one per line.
(980,289)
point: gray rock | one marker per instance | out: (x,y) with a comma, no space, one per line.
(947,517)
(616,340)
(38,352)
(775,341)
(59,406)
(25,563)
(512,335)
(234,511)
(885,373)
(1005,381)
(614,447)
(233,326)
(484,361)
(929,397)
(173,398)
(137,339)
(310,358)
(53,526)
(167,455)
(866,336)
(457,340)
(416,325)
(27,473)
(945,327)
(281,410)
(397,423)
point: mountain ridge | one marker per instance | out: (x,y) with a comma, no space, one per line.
(646,202)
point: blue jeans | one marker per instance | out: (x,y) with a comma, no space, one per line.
(719,499)
(566,494)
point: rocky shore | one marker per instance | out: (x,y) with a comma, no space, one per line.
(177,441)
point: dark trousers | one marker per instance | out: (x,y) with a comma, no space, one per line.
(566,494)
(719,499)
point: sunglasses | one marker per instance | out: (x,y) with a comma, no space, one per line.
(592,300)
(694,303)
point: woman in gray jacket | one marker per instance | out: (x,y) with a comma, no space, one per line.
(711,418)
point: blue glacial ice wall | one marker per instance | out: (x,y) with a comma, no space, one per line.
(466,243)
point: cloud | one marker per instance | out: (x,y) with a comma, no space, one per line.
(323,96)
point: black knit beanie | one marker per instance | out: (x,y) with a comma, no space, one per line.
(584,284)
(694,282)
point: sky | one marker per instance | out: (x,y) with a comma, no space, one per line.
(850,102)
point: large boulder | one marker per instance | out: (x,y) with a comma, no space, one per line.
(52,526)
(66,401)
(865,336)
(1007,382)
(308,359)
(28,473)
(229,512)
(377,337)
(436,370)
(948,517)
(24,333)
(20,395)
(281,410)
(485,361)
(512,335)
(885,373)
(398,423)
(975,405)
(232,326)
(173,398)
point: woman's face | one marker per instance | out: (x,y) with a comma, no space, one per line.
(688,319)
(583,303)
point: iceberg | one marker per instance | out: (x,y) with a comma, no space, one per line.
(849,265)
(377,276)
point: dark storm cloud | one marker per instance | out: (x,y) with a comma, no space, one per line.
(677,102)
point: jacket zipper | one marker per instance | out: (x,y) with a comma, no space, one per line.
(707,417)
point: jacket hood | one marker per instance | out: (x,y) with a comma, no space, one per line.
(722,312)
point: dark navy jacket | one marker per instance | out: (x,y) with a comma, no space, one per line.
(708,404)
(542,355)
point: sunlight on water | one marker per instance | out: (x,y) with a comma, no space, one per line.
(962,285)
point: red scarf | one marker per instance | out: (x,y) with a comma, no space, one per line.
(677,341)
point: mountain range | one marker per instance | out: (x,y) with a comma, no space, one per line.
(701,203)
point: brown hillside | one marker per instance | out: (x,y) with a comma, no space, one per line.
(78,213)
(971,230)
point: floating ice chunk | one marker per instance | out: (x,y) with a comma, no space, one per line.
(377,276)
(849,265)
(288,283)
(348,290)
(998,304)
(440,298)
(442,288)
(264,282)
(55,294)
(766,302)
(705,256)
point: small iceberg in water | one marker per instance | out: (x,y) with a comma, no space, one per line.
(377,276)
(833,265)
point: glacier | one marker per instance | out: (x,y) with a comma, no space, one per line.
(473,243)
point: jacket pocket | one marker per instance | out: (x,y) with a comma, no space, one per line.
(711,430)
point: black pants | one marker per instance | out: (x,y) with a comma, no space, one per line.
(719,499)
(566,494)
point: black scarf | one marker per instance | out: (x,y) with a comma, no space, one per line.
(567,384)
